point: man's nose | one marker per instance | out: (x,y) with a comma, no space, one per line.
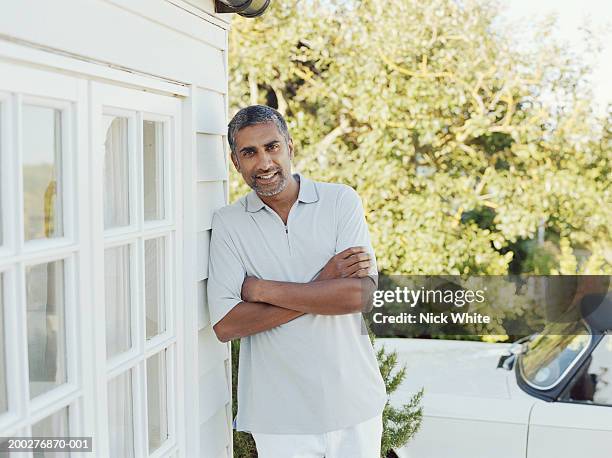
(265,161)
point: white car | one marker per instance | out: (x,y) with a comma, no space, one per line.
(547,397)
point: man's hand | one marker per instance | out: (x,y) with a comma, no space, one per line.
(353,262)
(249,289)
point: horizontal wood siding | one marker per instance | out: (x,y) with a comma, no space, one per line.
(214,392)
(202,248)
(211,193)
(210,116)
(215,435)
(203,314)
(112,34)
(212,163)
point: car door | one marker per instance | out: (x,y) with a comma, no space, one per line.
(580,422)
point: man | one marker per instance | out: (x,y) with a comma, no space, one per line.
(291,270)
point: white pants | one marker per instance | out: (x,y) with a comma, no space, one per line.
(359,441)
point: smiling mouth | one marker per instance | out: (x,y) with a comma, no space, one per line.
(267,176)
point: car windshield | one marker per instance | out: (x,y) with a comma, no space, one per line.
(549,355)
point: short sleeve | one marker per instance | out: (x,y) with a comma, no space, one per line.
(226,272)
(352,229)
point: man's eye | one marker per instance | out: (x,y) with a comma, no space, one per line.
(273,147)
(247,153)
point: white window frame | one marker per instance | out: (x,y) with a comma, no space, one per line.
(6,166)
(114,100)
(82,241)
(33,86)
(66,173)
(169,171)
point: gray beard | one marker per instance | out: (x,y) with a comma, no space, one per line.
(282,184)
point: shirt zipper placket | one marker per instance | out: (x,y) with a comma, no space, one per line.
(286,226)
(295,204)
(287,232)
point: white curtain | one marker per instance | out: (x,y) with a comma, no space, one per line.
(157,401)
(154,286)
(117,299)
(120,416)
(55,425)
(153,169)
(116,172)
(46,328)
(116,213)
(117,283)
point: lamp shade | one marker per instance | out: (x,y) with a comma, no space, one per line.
(246,8)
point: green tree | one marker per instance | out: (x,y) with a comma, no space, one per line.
(399,424)
(464,150)
(471,157)
(244,445)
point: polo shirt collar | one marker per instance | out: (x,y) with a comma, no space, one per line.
(307,194)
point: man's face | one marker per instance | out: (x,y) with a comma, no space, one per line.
(263,158)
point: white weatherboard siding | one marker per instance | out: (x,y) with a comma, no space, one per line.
(158,60)
(211,193)
(105,32)
(212,158)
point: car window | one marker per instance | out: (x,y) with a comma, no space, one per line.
(593,382)
(548,356)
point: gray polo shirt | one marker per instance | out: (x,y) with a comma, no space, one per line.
(317,373)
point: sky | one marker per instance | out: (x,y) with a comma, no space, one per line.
(571,15)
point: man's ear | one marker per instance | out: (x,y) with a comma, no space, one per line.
(235,161)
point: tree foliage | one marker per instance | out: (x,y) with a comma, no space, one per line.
(399,424)
(244,444)
(471,157)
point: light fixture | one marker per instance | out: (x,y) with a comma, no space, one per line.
(246,8)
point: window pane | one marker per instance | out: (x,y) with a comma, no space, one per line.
(593,382)
(155,286)
(42,190)
(549,355)
(116,172)
(46,328)
(120,417)
(153,163)
(156,401)
(55,425)
(3,389)
(117,299)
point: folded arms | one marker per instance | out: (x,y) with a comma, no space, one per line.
(343,286)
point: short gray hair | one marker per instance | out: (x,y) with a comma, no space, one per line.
(252,115)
